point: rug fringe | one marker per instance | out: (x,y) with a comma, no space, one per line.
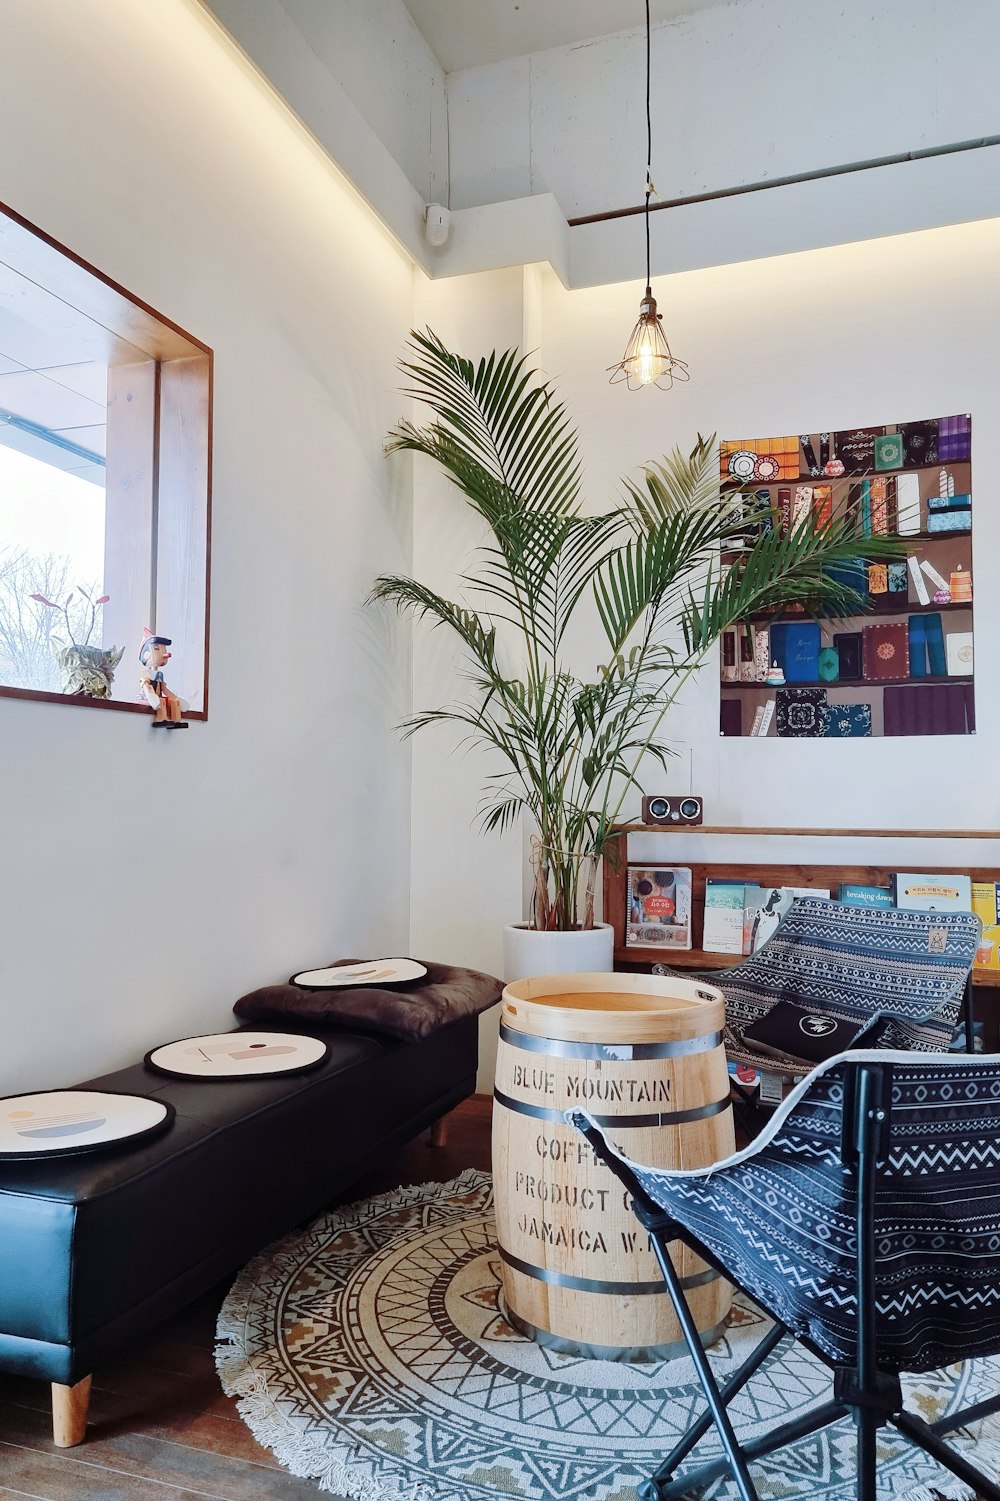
(301,1455)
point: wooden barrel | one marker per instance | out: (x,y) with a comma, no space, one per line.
(643,1055)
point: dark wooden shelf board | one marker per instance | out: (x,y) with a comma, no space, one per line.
(660,828)
(866,683)
(701,959)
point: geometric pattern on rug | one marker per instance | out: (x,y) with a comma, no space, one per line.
(370,1352)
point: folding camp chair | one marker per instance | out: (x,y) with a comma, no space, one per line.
(902,976)
(865,1219)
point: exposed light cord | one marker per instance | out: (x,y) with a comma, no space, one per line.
(647,360)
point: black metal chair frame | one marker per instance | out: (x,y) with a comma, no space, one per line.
(872,1397)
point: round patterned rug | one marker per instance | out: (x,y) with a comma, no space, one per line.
(371,1353)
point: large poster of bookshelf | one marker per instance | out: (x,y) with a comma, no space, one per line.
(905,665)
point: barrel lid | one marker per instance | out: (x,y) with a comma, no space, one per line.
(613,1007)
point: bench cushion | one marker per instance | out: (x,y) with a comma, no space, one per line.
(97,1247)
(444,995)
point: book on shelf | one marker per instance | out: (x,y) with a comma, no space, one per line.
(785,509)
(986,906)
(731,718)
(925,635)
(763,909)
(822,504)
(917,579)
(659,906)
(848,644)
(889,451)
(930,709)
(935,577)
(879,500)
(848,721)
(954,438)
(932,892)
(801,504)
(907,504)
(761,652)
(866,507)
(730,664)
(959,655)
(723,930)
(856,448)
(853,895)
(886,651)
(799,654)
(766,715)
(745,652)
(959,520)
(920,443)
(896,576)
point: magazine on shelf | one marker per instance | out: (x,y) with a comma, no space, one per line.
(659,906)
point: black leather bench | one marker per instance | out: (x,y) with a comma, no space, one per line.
(96,1249)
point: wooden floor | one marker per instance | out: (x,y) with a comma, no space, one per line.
(160,1426)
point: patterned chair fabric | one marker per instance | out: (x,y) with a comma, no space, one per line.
(781,1216)
(855,963)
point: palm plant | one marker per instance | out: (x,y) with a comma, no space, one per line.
(650,569)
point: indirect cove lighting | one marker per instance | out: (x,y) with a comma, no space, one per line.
(647,360)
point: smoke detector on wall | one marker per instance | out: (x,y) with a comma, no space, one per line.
(437,223)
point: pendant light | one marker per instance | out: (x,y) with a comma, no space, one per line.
(647,360)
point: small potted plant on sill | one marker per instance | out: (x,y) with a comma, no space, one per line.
(573,741)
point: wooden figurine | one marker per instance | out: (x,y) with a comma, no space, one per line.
(166,706)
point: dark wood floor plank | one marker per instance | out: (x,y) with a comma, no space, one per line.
(58,1478)
(132,1457)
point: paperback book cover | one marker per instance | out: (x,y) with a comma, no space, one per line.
(763,909)
(866,896)
(723,931)
(659,906)
(932,893)
(986,906)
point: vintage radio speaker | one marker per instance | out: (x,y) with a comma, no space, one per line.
(672,810)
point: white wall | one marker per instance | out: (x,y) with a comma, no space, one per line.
(146,883)
(466,884)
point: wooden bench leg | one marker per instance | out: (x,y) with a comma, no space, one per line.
(69,1413)
(439,1132)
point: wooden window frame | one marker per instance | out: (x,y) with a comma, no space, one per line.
(159,471)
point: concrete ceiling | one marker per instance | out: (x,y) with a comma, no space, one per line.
(470,33)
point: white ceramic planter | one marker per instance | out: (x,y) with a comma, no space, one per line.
(527,952)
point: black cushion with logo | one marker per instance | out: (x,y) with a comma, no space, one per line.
(790,1031)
